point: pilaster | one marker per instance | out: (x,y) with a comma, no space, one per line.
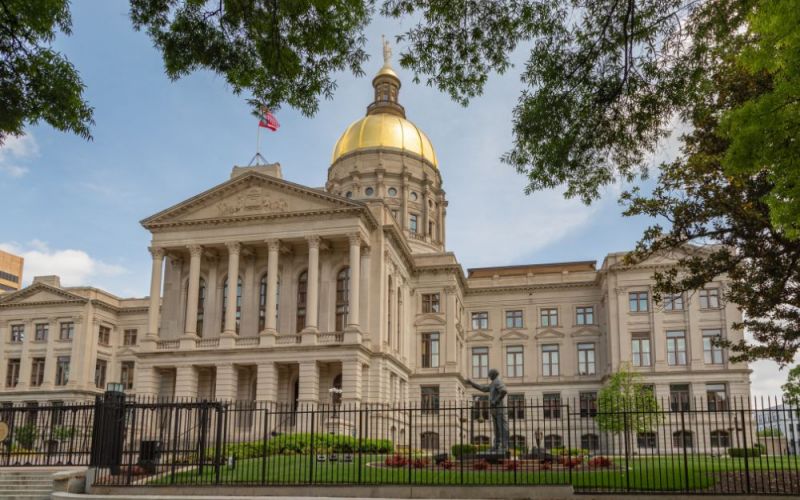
(186,381)
(226,382)
(266,382)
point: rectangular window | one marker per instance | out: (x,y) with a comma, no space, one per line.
(679,397)
(412,223)
(430,302)
(673,302)
(516,406)
(709,298)
(17,333)
(12,372)
(100,373)
(514,319)
(588,404)
(480,320)
(640,349)
(717,396)
(129,336)
(31,413)
(58,412)
(430,398)
(430,350)
(514,361)
(480,407)
(586,359)
(67,331)
(712,354)
(638,302)
(676,347)
(104,336)
(126,374)
(549,317)
(550,360)
(480,362)
(62,370)
(584,315)
(40,332)
(37,372)
(552,405)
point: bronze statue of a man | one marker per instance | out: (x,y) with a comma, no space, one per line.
(497,408)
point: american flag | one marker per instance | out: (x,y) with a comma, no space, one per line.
(268,120)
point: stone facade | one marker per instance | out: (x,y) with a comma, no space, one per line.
(351,286)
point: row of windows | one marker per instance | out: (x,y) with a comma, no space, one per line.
(640,301)
(584,315)
(9,277)
(392,192)
(66,332)
(62,372)
(677,353)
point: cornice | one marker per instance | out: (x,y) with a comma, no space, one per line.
(41,303)
(528,287)
(215,221)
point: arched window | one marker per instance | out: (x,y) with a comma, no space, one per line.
(682,439)
(238,302)
(481,440)
(720,439)
(552,441)
(342,297)
(262,302)
(590,442)
(201,299)
(302,295)
(429,440)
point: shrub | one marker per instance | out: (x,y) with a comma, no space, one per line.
(571,462)
(740,452)
(481,465)
(26,436)
(771,432)
(557,451)
(600,462)
(421,462)
(396,460)
(447,464)
(461,450)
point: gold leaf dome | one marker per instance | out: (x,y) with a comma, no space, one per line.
(385,131)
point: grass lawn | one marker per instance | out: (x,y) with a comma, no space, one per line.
(644,473)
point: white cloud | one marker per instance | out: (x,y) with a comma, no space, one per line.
(75,267)
(14,150)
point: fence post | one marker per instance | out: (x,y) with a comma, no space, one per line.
(313,457)
(218,444)
(360,436)
(683,445)
(461,440)
(265,437)
(569,445)
(410,436)
(746,452)
(626,433)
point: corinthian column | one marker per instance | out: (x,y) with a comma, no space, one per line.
(272,286)
(233,283)
(313,283)
(195,251)
(353,301)
(155,291)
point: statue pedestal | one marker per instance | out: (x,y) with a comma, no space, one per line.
(493,456)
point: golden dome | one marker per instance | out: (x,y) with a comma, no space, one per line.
(384,130)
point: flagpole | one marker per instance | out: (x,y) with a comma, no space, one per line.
(258,139)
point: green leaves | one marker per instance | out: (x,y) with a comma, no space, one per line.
(278,51)
(625,404)
(37,83)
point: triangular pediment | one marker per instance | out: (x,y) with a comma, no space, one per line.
(549,333)
(38,293)
(251,195)
(587,332)
(478,336)
(514,335)
(430,320)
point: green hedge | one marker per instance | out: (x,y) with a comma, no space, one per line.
(739,452)
(460,450)
(290,444)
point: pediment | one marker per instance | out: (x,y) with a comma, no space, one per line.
(586,332)
(478,336)
(514,335)
(126,351)
(549,333)
(38,293)
(430,320)
(251,195)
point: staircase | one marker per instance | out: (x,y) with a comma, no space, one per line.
(26,484)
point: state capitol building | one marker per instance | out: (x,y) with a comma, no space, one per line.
(267,290)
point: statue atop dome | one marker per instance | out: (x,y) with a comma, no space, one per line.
(387,51)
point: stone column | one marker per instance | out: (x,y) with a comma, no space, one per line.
(193,294)
(353,315)
(186,382)
(313,284)
(272,286)
(249,321)
(155,292)
(404,222)
(351,381)
(210,314)
(233,280)
(226,382)
(267,382)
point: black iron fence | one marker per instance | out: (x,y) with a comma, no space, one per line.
(35,434)
(681,446)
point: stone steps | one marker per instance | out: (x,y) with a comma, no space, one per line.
(26,485)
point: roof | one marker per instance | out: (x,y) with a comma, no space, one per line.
(525,269)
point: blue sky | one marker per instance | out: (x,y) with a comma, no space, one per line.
(72,207)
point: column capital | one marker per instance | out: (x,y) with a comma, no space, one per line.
(354,239)
(313,241)
(365,251)
(195,250)
(273,244)
(210,255)
(234,247)
(156,252)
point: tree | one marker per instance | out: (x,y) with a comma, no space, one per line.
(625,405)
(791,389)
(36,82)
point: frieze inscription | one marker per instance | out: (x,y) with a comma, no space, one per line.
(252,201)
